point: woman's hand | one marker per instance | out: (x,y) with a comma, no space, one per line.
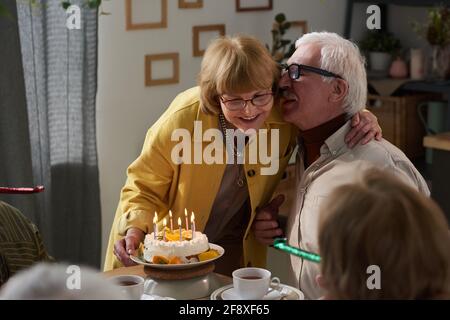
(127,246)
(365,127)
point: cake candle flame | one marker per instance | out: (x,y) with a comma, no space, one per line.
(193,225)
(186,217)
(164,229)
(171,221)
(179,226)
(155,226)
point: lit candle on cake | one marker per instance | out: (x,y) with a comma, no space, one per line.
(164,229)
(171,221)
(193,225)
(179,226)
(186,217)
(155,226)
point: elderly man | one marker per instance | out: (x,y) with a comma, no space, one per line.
(324,84)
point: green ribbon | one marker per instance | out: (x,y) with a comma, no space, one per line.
(281,244)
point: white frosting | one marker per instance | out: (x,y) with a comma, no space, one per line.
(185,248)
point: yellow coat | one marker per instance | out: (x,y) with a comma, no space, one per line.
(155,183)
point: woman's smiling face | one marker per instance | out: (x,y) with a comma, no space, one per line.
(240,109)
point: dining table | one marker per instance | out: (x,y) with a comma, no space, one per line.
(199,286)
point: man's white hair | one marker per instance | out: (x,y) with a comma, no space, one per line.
(342,57)
(46,281)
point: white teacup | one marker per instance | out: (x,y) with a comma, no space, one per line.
(253,283)
(130,285)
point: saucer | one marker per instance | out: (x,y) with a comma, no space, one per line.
(154,297)
(231,294)
(285,292)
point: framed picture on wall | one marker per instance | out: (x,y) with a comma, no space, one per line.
(190,4)
(300,24)
(145,14)
(151,69)
(254,5)
(297,29)
(203,35)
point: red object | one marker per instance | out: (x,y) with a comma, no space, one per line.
(36,189)
(399,69)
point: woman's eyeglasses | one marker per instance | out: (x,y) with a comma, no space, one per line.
(295,71)
(258,100)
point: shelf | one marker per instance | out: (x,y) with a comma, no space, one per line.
(428,86)
(440,141)
(393,85)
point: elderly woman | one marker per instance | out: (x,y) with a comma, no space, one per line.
(237,90)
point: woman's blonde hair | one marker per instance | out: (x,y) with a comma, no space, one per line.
(380,221)
(235,65)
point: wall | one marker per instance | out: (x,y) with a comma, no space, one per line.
(400,27)
(126,108)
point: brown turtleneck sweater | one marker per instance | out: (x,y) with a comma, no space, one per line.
(314,138)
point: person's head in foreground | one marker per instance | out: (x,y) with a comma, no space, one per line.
(380,221)
(238,77)
(51,281)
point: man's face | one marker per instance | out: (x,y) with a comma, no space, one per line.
(306,101)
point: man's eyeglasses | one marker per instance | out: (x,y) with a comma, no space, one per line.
(258,100)
(295,71)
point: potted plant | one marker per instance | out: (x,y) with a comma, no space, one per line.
(281,48)
(437,32)
(381,46)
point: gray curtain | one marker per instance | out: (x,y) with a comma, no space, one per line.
(15,152)
(60,77)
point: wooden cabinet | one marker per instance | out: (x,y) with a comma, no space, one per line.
(400,122)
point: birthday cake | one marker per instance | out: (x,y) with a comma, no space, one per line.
(175,247)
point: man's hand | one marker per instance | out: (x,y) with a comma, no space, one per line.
(265,226)
(127,246)
(365,128)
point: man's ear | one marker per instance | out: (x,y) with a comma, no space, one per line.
(339,90)
(320,280)
(322,283)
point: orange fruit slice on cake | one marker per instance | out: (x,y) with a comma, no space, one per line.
(175,260)
(208,255)
(160,260)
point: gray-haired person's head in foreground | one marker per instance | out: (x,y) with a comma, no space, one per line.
(60,282)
